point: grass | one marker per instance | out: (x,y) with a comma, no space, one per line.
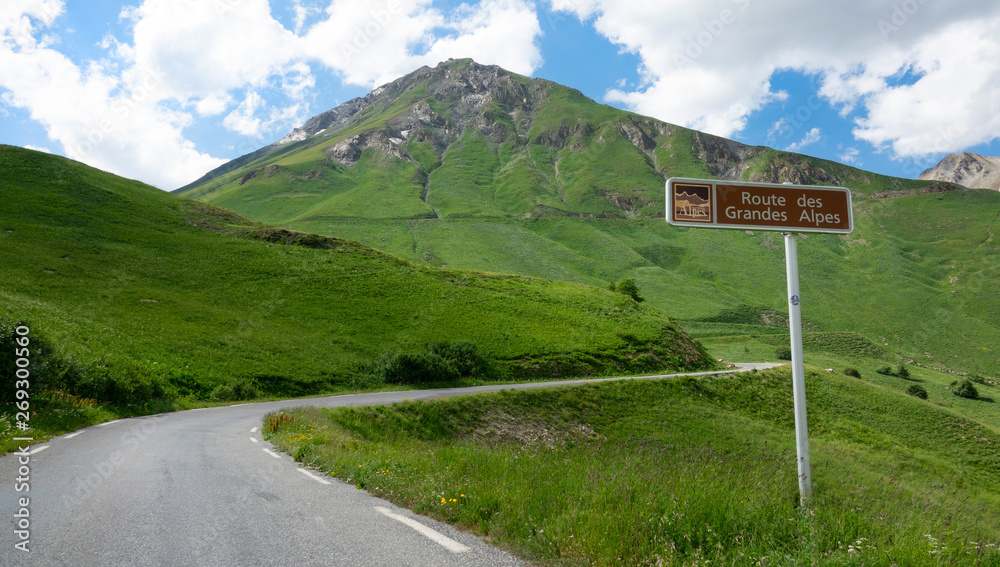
(701,471)
(119,275)
(573,190)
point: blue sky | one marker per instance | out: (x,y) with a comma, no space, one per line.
(164,90)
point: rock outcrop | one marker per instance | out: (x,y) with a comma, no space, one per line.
(971,170)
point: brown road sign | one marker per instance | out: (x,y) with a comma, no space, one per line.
(758,206)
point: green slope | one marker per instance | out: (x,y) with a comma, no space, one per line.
(111,269)
(538,180)
(681,472)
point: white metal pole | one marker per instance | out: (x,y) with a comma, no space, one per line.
(798,370)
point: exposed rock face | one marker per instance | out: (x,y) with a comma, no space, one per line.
(483,141)
(971,170)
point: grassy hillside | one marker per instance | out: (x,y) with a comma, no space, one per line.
(156,289)
(684,472)
(470,167)
(918,277)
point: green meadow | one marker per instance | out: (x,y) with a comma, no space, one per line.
(684,472)
(139,301)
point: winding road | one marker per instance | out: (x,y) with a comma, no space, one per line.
(201,487)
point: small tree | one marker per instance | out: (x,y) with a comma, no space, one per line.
(628,287)
(964,389)
(917,390)
(903,372)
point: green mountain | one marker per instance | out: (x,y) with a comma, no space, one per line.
(470,166)
(131,284)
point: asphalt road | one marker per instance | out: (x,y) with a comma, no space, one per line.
(201,487)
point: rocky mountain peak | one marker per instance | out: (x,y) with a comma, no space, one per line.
(971,170)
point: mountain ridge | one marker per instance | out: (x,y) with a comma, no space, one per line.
(468,140)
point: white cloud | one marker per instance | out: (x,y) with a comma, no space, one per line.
(708,65)
(811,137)
(181,60)
(244,119)
(38,149)
(851,156)
(373,43)
(96,117)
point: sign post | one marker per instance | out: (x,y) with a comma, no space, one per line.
(786,208)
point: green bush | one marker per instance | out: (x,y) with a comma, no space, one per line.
(465,359)
(917,390)
(414,368)
(903,372)
(964,389)
(44,368)
(237,391)
(886,370)
(117,381)
(783,353)
(627,287)
(438,362)
(852,372)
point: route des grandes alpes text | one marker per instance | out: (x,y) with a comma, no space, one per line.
(763,206)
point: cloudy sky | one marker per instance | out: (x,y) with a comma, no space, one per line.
(165,90)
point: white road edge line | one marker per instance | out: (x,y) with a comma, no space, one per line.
(442,540)
(254,440)
(314,477)
(254,430)
(272,453)
(72,435)
(108,422)
(38,449)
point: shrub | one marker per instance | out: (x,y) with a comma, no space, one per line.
(117,381)
(886,370)
(464,358)
(237,391)
(783,353)
(903,372)
(917,390)
(628,287)
(964,389)
(44,368)
(852,372)
(420,368)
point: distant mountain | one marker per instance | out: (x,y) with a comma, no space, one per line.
(464,140)
(473,167)
(968,169)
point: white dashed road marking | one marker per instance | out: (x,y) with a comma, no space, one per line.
(38,449)
(445,541)
(272,453)
(314,477)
